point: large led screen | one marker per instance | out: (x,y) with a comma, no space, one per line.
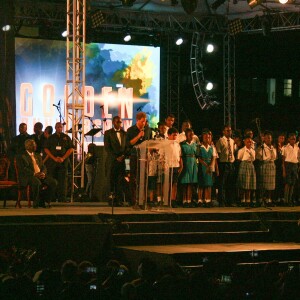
(120,80)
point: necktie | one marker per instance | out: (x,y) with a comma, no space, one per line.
(35,165)
(229,150)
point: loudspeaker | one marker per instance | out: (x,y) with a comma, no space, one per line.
(101,182)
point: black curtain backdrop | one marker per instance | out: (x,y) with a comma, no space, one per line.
(7,73)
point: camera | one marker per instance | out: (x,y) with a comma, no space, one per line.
(91,270)
(226,279)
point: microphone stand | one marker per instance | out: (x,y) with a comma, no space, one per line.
(61,118)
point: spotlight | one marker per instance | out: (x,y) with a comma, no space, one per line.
(210,48)
(127,3)
(253,3)
(189,6)
(127,37)
(217,4)
(6,28)
(179,41)
(283,1)
(209,86)
(235,26)
(97,19)
(64,33)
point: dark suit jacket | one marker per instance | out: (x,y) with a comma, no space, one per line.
(112,145)
(25,167)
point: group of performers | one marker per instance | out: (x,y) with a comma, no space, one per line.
(232,170)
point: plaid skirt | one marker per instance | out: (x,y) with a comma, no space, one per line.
(267,175)
(246,176)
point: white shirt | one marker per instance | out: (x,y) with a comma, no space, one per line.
(173,154)
(118,135)
(246,154)
(266,153)
(222,149)
(291,154)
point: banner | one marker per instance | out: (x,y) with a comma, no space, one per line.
(120,80)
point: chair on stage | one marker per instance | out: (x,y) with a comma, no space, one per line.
(4,182)
(21,189)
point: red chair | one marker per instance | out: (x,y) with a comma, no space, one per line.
(4,182)
(21,189)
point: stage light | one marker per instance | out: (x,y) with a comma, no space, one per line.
(127,3)
(209,86)
(189,6)
(179,41)
(97,19)
(235,26)
(283,1)
(210,48)
(6,28)
(253,3)
(64,33)
(217,4)
(127,37)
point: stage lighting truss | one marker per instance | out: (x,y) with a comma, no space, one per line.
(203,95)
(127,3)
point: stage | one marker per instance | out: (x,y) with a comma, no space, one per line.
(186,236)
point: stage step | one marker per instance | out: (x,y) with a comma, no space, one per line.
(198,254)
(121,239)
(191,226)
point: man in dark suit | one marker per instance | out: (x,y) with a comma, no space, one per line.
(115,147)
(32,172)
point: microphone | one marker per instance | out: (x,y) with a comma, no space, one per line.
(55,105)
(58,102)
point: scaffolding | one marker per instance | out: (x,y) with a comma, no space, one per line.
(173,80)
(229,90)
(75,86)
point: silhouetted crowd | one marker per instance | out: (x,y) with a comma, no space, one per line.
(21,278)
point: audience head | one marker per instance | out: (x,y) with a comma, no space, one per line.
(172,133)
(23,128)
(30,145)
(248,142)
(117,122)
(206,136)
(141,119)
(170,119)
(48,131)
(69,271)
(37,128)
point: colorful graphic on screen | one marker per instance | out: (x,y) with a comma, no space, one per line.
(120,80)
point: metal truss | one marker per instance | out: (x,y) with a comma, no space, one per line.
(75,86)
(173,79)
(278,21)
(229,80)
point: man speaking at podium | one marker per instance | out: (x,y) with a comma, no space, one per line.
(115,147)
(136,134)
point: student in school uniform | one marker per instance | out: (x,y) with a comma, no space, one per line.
(267,155)
(290,161)
(279,186)
(174,163)
(189,175)
(207,156)
(246,174)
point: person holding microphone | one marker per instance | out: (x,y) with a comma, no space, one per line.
(136,134)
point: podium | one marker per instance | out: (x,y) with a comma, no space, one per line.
(155,159)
